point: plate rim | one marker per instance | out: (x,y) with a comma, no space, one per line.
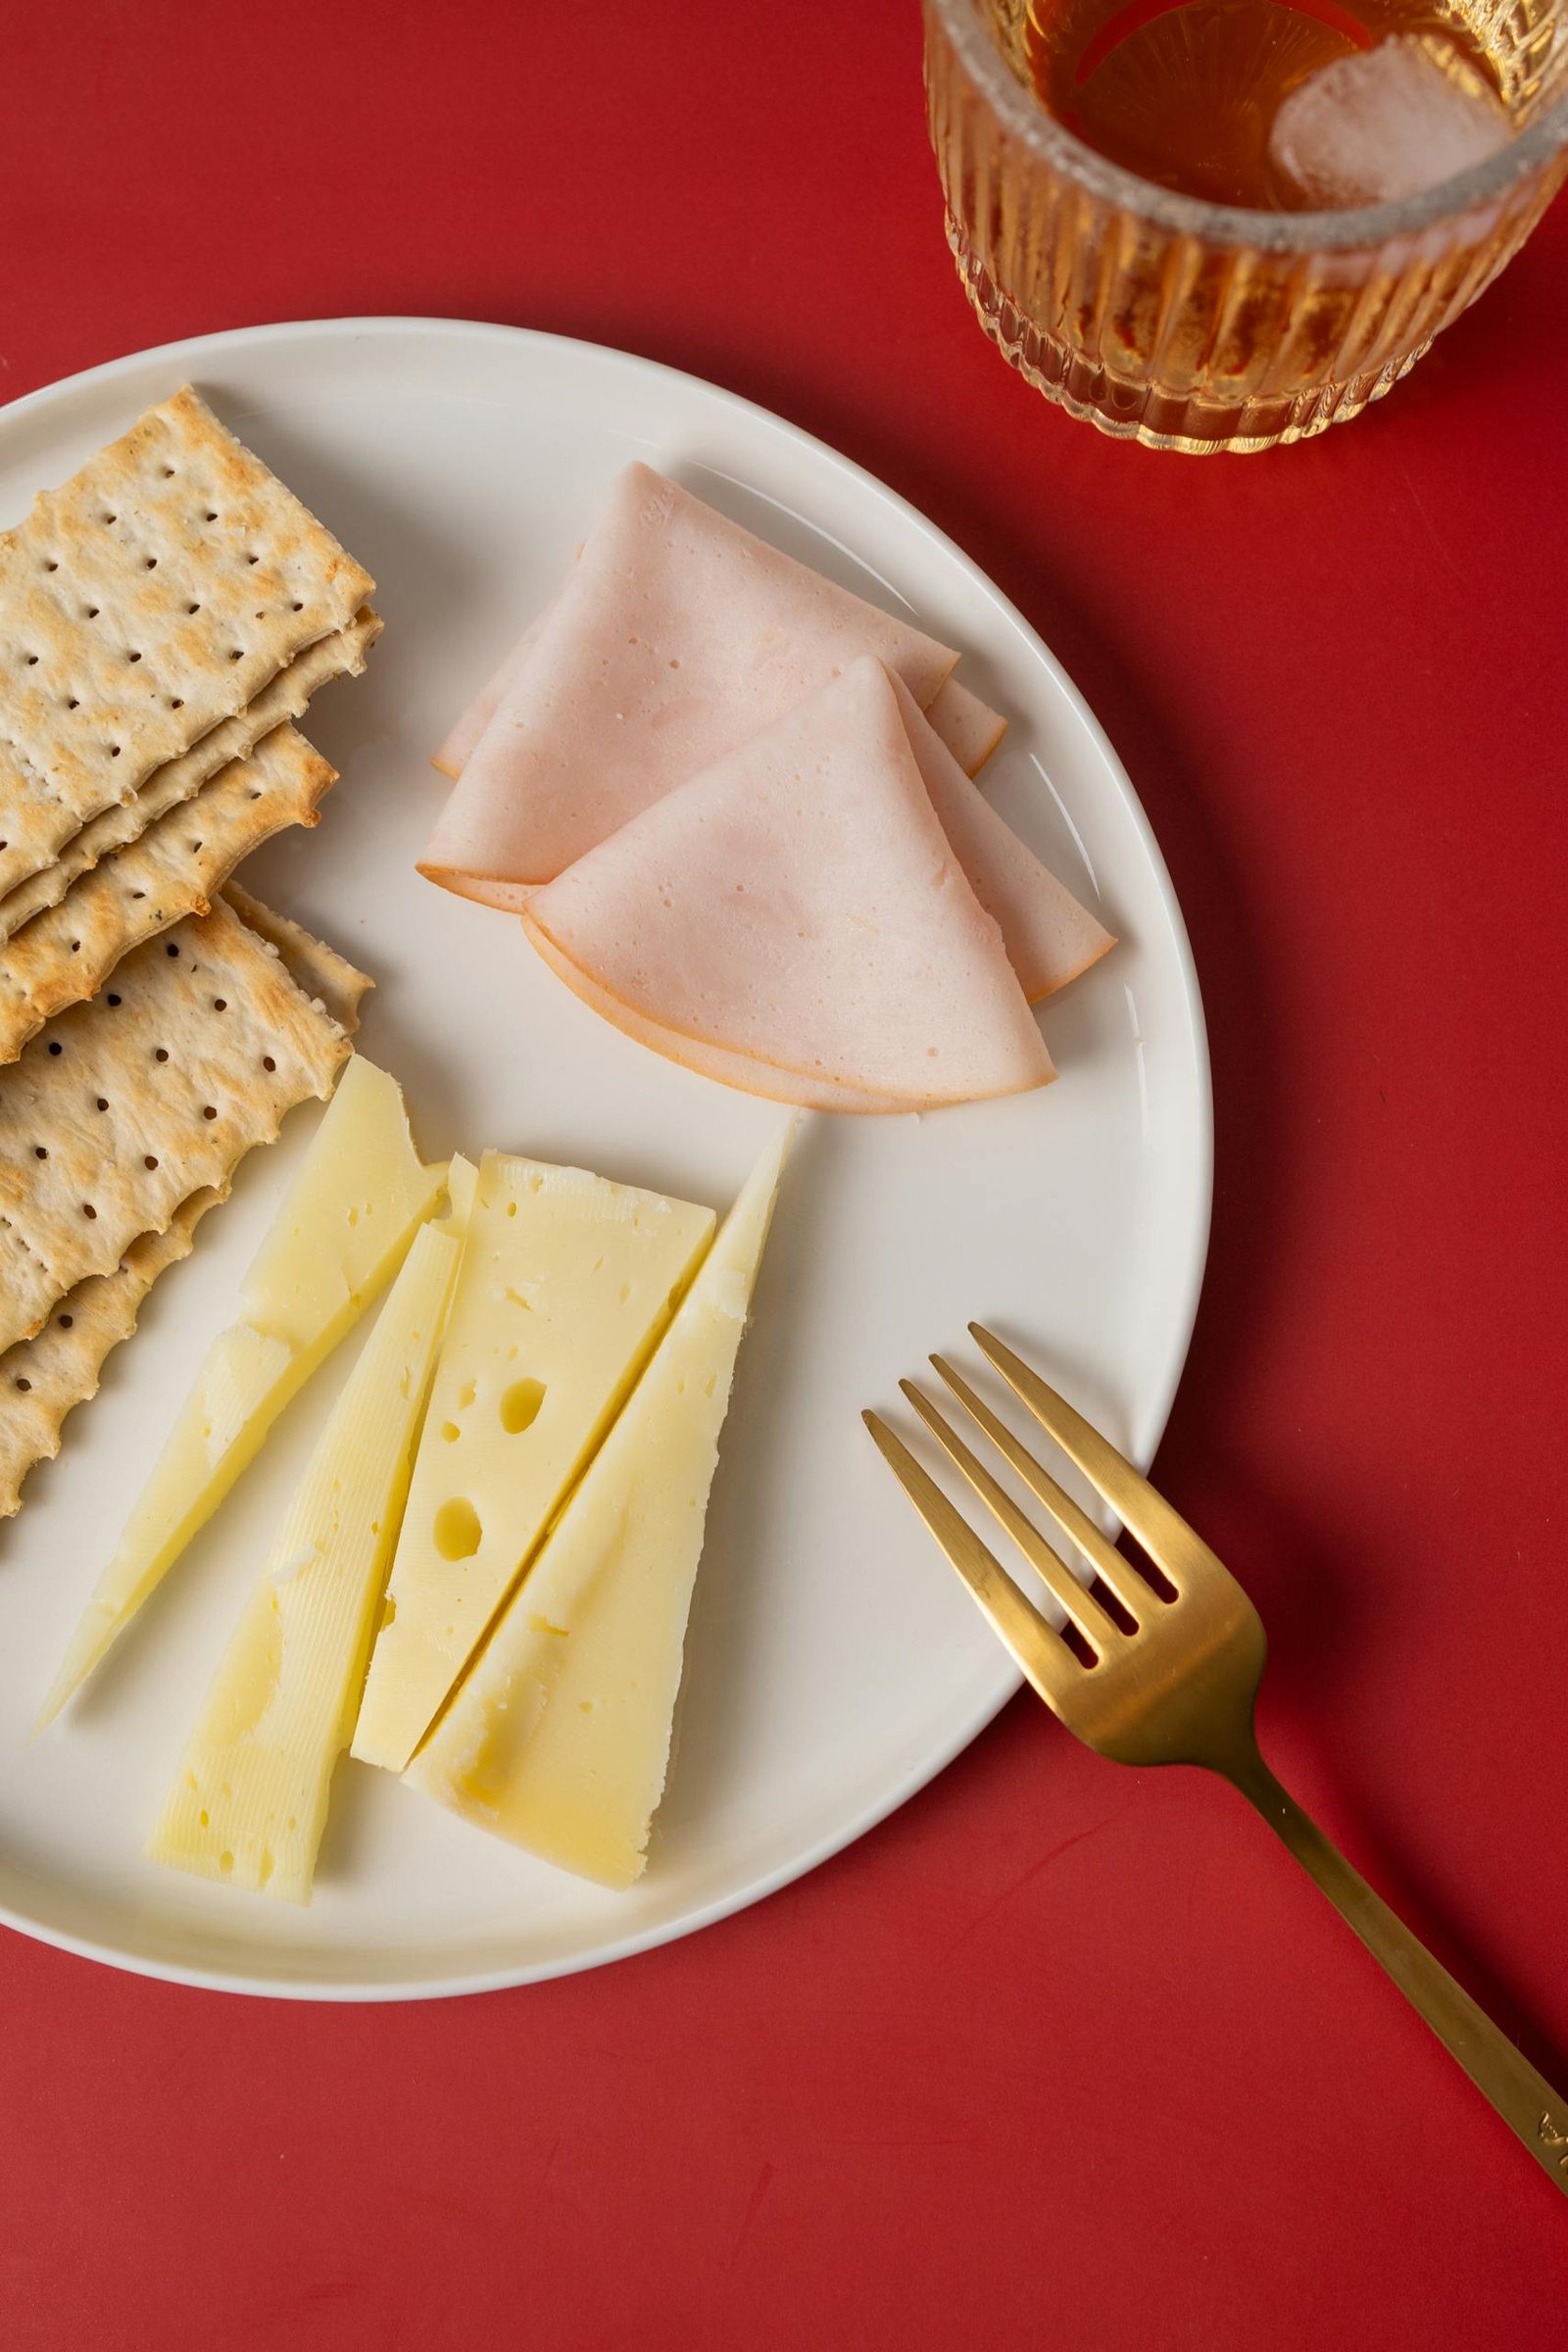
(189,351)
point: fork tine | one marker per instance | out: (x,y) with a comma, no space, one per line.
(1162,1532)
(1086,1612)
(1045,1658)
(1075,1524)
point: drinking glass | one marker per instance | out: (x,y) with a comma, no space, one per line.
(1184,324)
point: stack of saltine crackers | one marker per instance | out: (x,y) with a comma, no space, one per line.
(164,618)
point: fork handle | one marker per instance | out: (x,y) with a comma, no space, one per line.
(1524,2098)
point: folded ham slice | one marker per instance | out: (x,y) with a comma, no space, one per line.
(970,727)
(457,749)
(675,636)
(796,909)
(1049,937)
(740,1070)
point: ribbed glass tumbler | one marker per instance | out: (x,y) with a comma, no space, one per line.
(1198,326)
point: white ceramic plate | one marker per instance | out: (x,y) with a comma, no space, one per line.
(834,1663)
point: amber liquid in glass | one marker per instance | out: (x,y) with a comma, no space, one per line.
(1185,92)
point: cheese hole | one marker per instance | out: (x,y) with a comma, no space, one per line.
(205,1818)
(226,1863)
(519,1405)
(449,1430)
(457,1528)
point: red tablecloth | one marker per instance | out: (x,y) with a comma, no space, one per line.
(1059,2056)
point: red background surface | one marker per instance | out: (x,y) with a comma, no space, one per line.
(1060,2055)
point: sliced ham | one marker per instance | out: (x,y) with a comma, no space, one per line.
(675,636)
(970,727)
(1049,937)
(457,749)
(797,907)
(740,1070)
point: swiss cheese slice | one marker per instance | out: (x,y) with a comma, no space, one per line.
(347,1219)
(567,1283)
(250,1798)
(675,636)
(799,906)
(560,1738)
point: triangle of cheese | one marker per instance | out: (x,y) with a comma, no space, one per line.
(675,637)
(799,906)
(249,1800)
(343,1230)
(567,1284)
(560,1738)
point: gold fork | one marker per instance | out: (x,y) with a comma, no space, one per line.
(1166,1671)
